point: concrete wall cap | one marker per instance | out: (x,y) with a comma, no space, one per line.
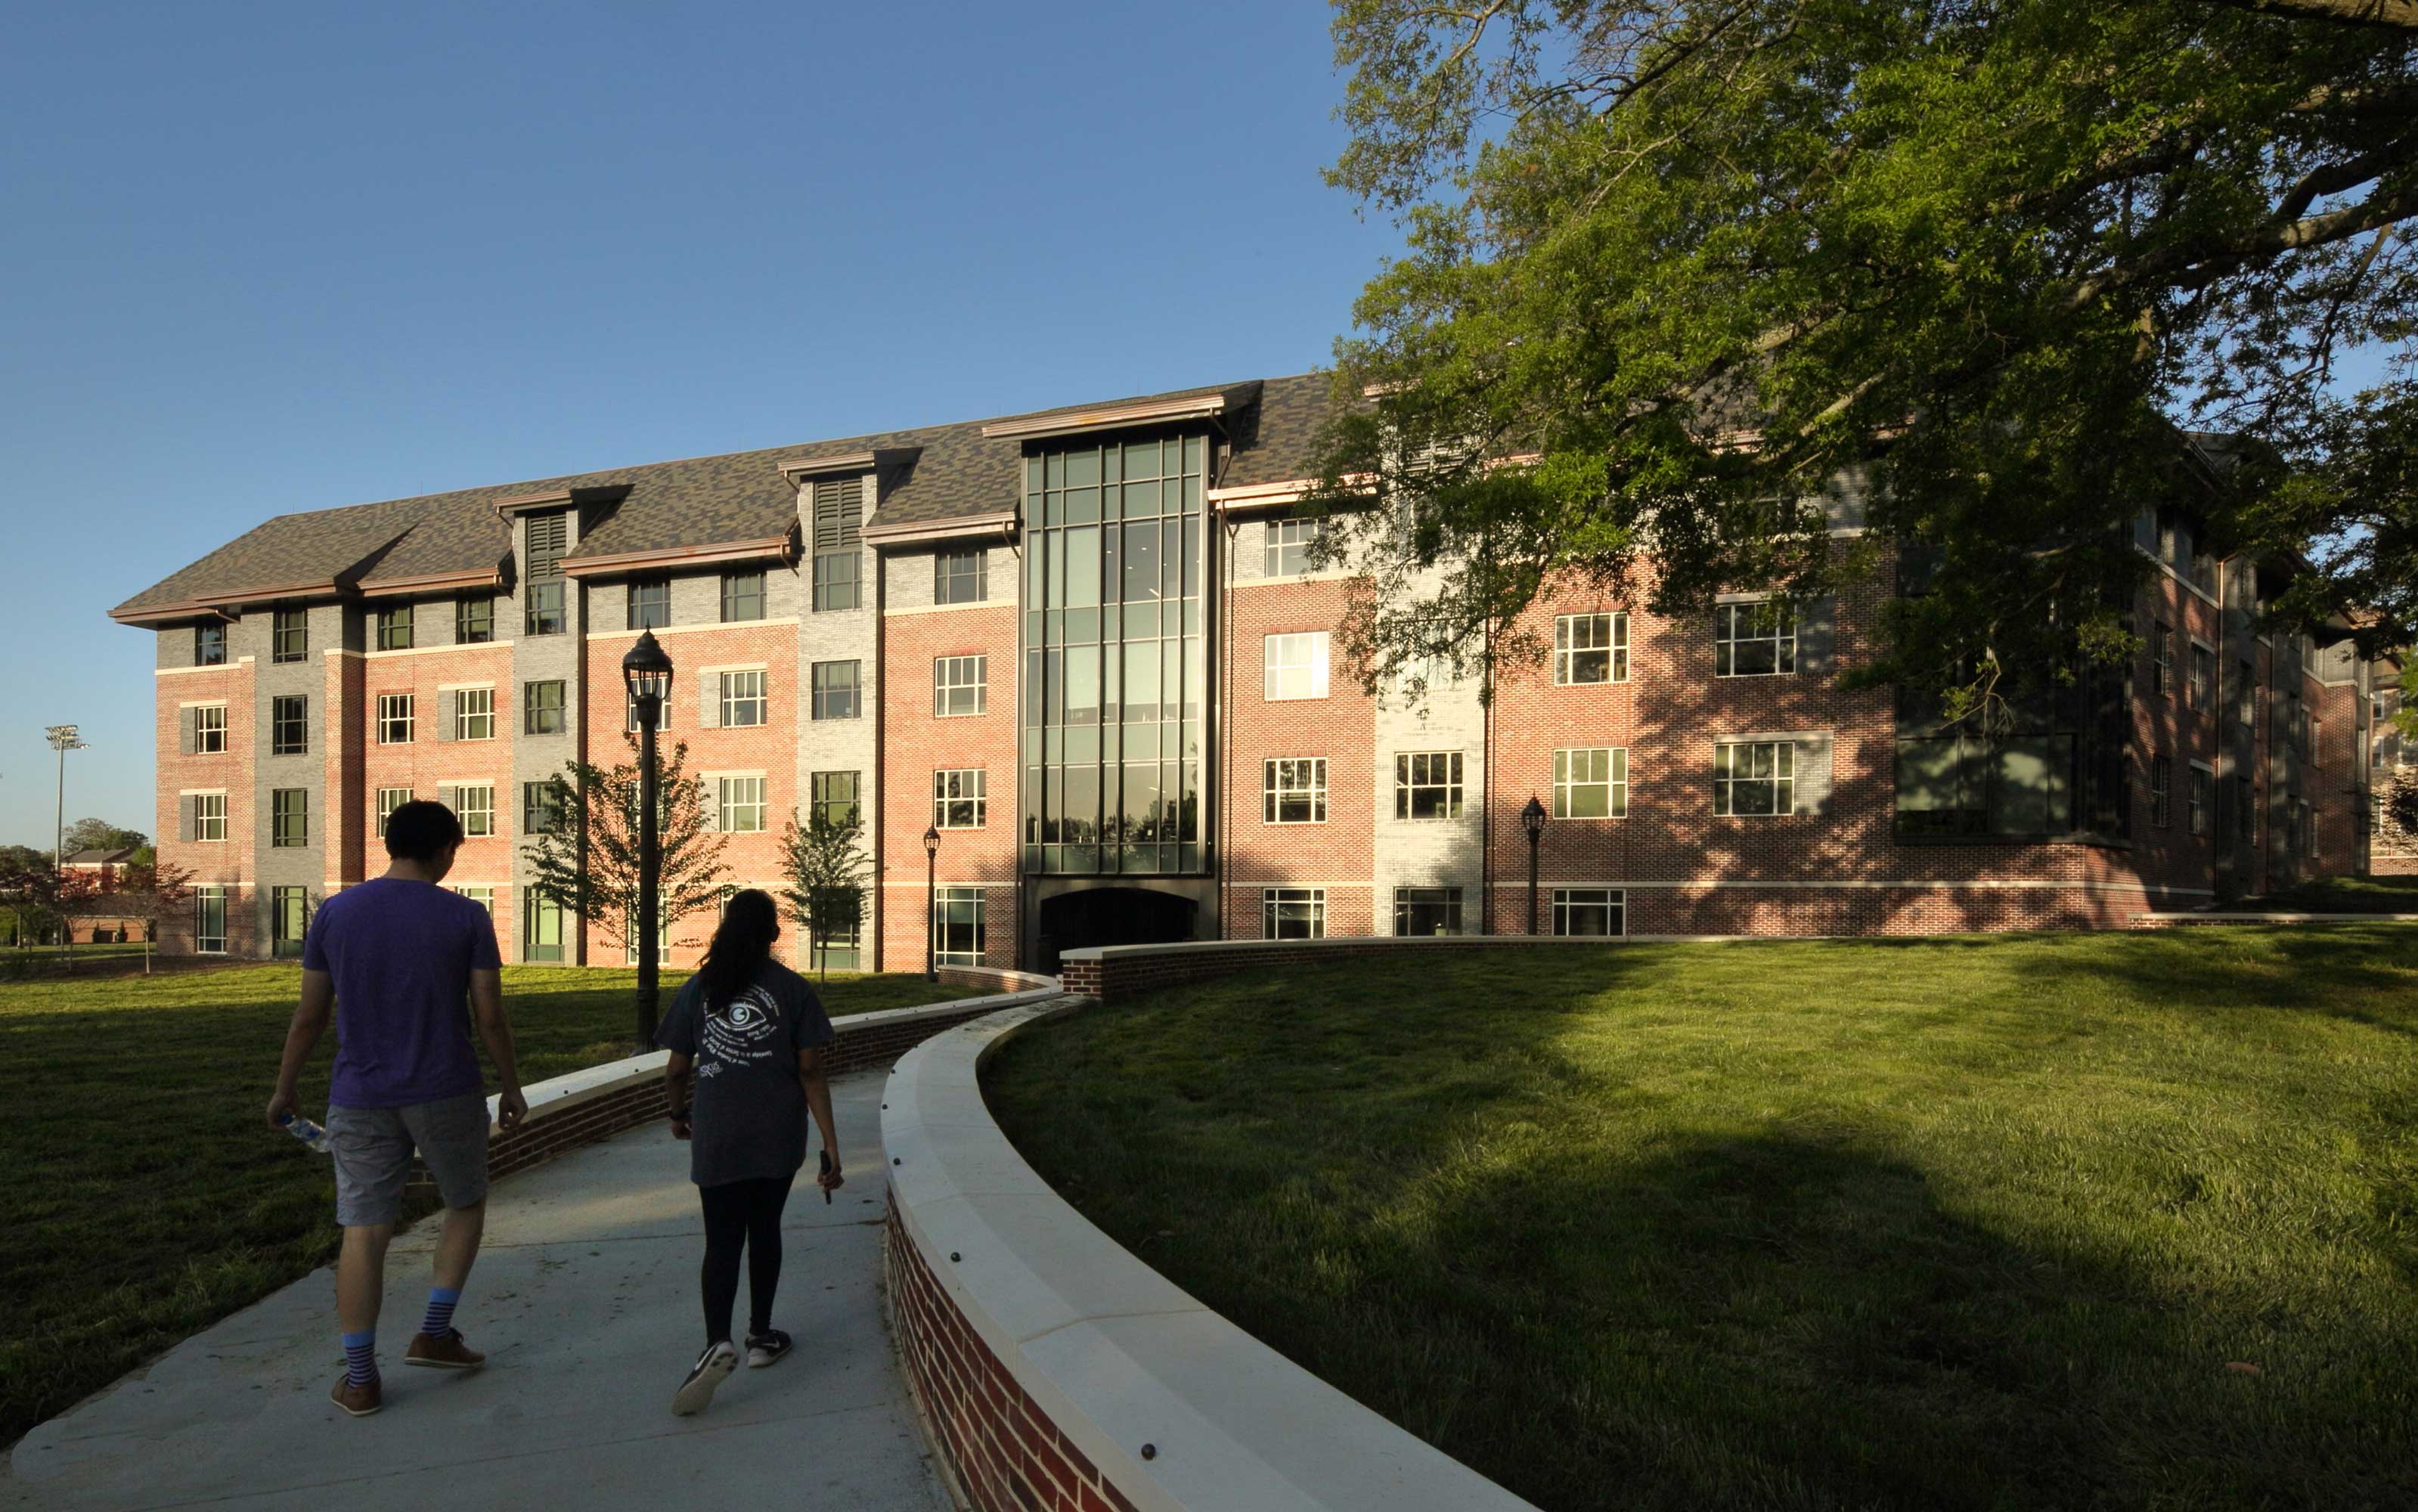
(1349,944)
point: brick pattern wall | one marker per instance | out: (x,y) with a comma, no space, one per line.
(430,760)
(916,744)
(229,864)
(1001,1450)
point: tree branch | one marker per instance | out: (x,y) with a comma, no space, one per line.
(2393,15)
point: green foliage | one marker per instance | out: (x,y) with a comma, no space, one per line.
(588,866)
(100,834)
(1700,260)
(824,868)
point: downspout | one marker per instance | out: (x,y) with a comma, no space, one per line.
(880,725)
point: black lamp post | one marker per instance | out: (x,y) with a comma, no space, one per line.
(931,871)
(1532,820)
(647,671)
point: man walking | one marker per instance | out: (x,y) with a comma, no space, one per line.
(395,956)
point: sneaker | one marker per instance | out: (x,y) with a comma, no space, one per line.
(359,1400)
(714,1367)
(445,1352)
(766,1348)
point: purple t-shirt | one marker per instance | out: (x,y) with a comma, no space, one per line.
(401,954)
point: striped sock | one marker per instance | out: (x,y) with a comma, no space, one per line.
(439,1321)
(361,1357)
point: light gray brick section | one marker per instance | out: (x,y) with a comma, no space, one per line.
(1428,852)
(837,635)
(536,658)
(304,866)
(907,576)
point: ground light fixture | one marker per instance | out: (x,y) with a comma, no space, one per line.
(932,922)
(1532,820)
(648,673)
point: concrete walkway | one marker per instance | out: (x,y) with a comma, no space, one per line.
(584,1300)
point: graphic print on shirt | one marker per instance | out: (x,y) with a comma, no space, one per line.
(740,1033)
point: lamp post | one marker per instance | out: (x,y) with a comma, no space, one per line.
(647,671)
(63,739)
(1532,820)
(931,893)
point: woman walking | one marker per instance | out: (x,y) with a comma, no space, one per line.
(751,1032)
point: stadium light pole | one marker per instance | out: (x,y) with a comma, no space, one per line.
(648,672)
(63,739)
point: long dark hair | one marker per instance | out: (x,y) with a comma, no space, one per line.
(742,942)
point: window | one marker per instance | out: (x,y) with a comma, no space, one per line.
(959,685)
(1590,648)
(546,613)
(484,897)
(2245,694)
(835,690)
(739,804)
(1965,784)
(289,635)
(289,725)
(394,627)
(2203,678)
(1590,911)
(2162,660)
(842,949)
(1296,665)
(1290,543)
(1292,913)
(957,800)
(1297,790)
(1427,911)
(2245,811)
(475,806)
(2316,743)
(742,596)
(209,645)
(630,713)
(1754,777)
(389,799)
(631,935)
(394,719)
(289,915)
(542,708)
(474,713)
(2196,800)
(1754,640)
(209,817)
(742,700)
(1427,784)
(1591,784)
(474,620)
(289,818)
(548,538)
(957,926)
(961,577)
(210,921)
(543,806)
(540,928)
(2162,782)
(832,796)
(839,513)
(651,602)
(209,729)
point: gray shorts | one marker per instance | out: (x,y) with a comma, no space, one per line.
(372,1149)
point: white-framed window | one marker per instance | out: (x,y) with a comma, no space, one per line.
(1296,665)
(1427,784)
(1295,789)
(209,920)
(630,713)
(474,713)
(960,685)
(476,808)
(2201,682)
(1427,911)
(394,719)
(738,804)
(1754,640)
(2198,799)
(2162,659)
(1292,913)
(2161,791)
(1591,647)
(957,926)
(743,698)
(630,937)
(957,799)
(1752,778)
(209,817)
(209,729)
(542,931)
(484,897)
(1290,543)
(1590,911)
(389,799)
(1591,783)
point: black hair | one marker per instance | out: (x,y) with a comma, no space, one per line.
(742,942)
(419,828)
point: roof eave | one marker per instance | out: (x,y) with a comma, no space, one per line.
(905,532)
(1120,416)
(783,547)
(223,606)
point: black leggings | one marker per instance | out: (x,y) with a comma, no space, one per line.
(742,1214)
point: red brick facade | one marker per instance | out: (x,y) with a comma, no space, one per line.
(915,742)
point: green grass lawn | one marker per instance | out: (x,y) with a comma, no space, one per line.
(2343,894)
(1949,1223)
(146,1199)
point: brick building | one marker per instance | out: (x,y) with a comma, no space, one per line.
(1087,650)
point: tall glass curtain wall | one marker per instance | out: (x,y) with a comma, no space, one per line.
(1116,663)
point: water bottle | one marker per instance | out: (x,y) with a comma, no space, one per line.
(314,1138)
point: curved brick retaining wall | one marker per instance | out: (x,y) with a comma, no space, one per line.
(1110,972)
(1055,1370)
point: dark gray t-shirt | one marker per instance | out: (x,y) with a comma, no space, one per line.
(748,1115)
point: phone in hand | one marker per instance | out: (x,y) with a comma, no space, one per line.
(826,1170)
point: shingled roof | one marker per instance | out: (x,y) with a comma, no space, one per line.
(701,501)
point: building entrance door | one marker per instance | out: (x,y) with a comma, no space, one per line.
(1112,916)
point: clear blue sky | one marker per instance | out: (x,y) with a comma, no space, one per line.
(263,258)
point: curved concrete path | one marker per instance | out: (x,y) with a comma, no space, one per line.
(585,1300)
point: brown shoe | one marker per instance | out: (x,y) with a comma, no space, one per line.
(359,1400)
(446,1354)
